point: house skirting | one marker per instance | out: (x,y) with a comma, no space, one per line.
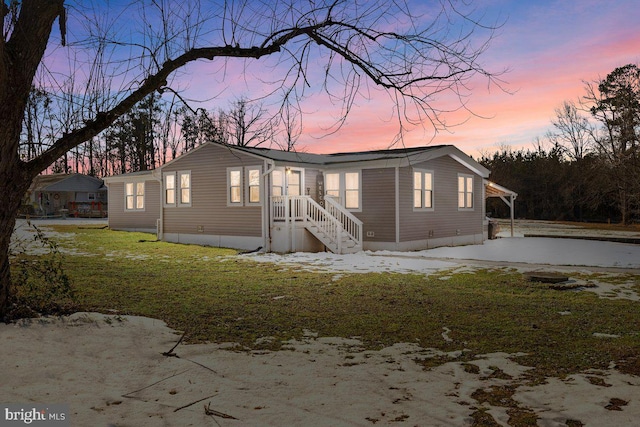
(135,229)
(236,242)
(293,237)
(417,245)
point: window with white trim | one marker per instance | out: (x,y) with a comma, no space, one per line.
(465,191)
(170,189)
(422,190)
(332,184)
(234,186)
(277,183)
(184,178)
(134,196)
(345,187)
(253,185)
(352,190)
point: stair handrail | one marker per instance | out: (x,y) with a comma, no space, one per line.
(350,223)
(326,223)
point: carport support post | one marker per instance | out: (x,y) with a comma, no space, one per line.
(512,200)
(511,203)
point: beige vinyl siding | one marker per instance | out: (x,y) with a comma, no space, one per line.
(378,204)
(311,183)
(209,213)
(445,220)
(121,219)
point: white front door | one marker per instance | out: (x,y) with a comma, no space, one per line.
(294,182)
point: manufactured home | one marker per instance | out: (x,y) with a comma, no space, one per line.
(279,201)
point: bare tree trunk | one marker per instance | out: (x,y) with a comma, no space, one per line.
(19,60)
(12,191)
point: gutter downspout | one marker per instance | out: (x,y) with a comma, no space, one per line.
(397,207)
(157,175)
(270,166)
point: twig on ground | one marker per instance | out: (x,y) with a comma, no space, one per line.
(128,395)
(214,413)
(200,364)
(170,353)
(193,403)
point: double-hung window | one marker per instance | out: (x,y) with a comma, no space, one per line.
(177,189)
(134,196)
(352,190)
(277,183)
(332,185)
(253,185)
(170,189)
(422,190)
(345,187)
(185,188)
(234,186)
(465,191)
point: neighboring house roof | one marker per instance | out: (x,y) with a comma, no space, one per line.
(67,182)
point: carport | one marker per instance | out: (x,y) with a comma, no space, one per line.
(491,189)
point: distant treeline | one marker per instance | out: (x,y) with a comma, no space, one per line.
(591,172)
(551,187)
(154,132)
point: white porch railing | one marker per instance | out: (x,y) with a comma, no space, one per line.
(352,225)
(335,227)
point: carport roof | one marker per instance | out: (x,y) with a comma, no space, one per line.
(496,190)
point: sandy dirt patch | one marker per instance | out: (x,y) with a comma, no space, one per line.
(111,371)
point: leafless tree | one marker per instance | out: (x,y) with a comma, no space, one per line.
(248,124)
(290,127)
(572,131)
(169,132)
(142,47)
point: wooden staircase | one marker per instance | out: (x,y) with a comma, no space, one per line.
(338,229)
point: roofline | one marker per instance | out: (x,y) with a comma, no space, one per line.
(63,177)
(411,155)
(128,175)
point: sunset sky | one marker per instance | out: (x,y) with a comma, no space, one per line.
(549,48)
